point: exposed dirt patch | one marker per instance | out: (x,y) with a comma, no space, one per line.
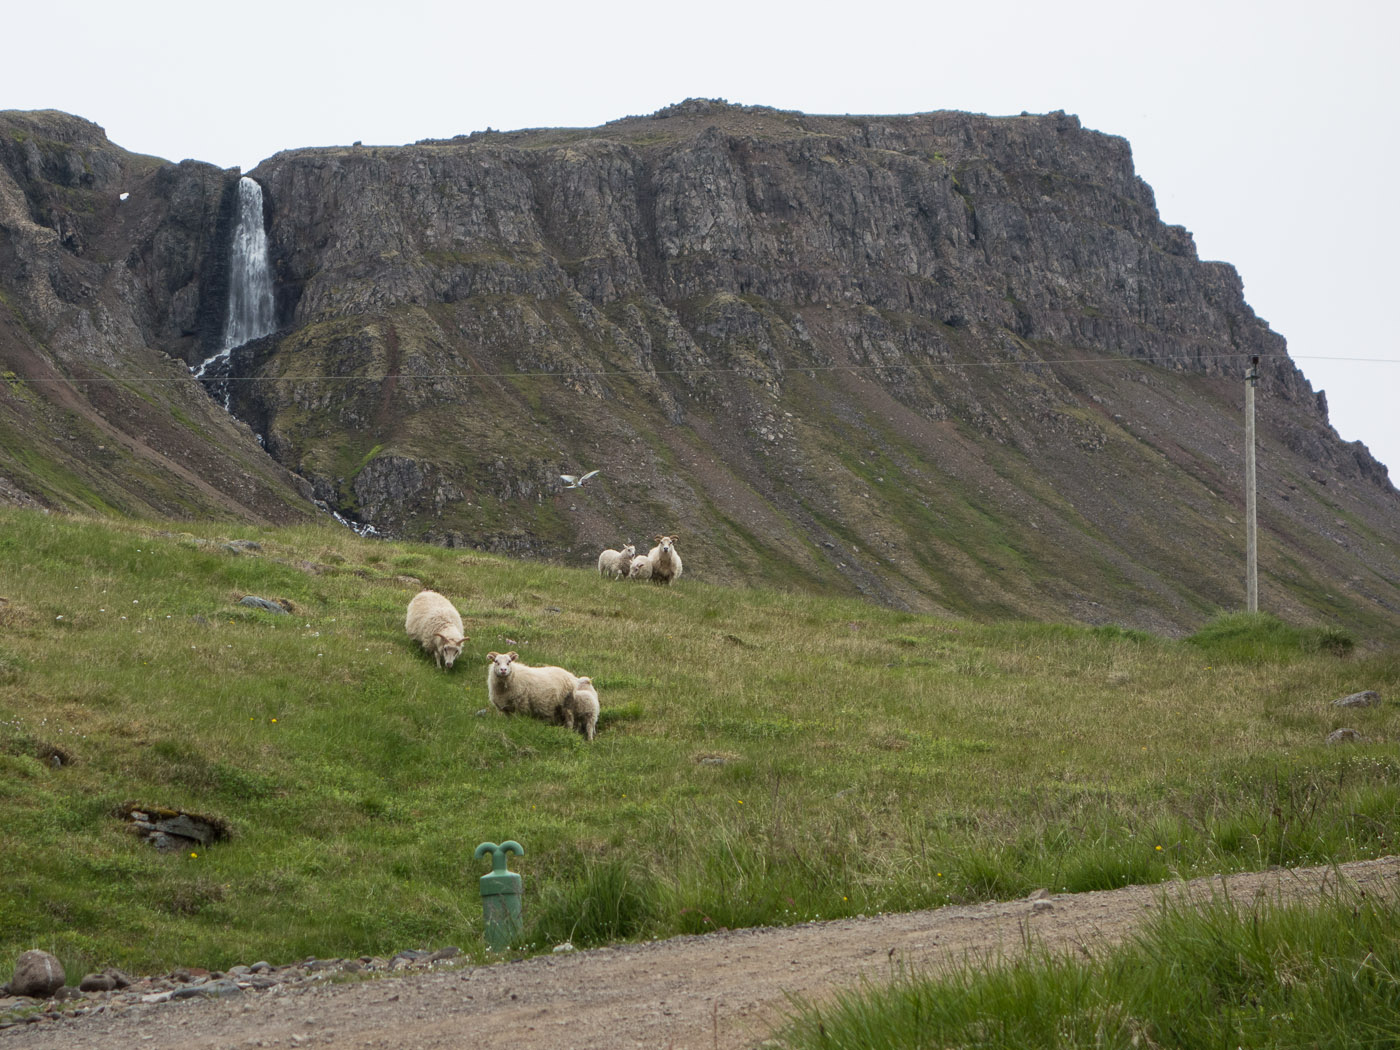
(724,989)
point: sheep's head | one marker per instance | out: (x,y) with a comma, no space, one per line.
(666,543)
(585,682)
(628,551)
(449,648)
(500,663)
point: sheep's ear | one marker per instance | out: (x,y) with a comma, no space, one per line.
(492,656)
(513,655)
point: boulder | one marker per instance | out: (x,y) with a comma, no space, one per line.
(1365,698)
(38,975)
(267,604)
(97,982)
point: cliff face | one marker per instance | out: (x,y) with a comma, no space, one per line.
(98,293)
(945,361)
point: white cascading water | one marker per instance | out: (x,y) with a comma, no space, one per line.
(250,310)
(250,275)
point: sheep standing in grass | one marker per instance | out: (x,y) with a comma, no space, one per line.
(640,569)
(434,624)
(581,710)
(616,563)
(540,692)
(665,560)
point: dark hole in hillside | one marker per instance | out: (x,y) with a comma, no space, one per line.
(54,756)
(49,754)
(170,829)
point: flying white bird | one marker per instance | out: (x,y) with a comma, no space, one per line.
(573,481)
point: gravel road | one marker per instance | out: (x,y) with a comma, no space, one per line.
(725,989)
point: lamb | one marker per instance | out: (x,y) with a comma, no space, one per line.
(583,707)
(665,560)
(616,563)
(640,569)
(516,688)
(434,624)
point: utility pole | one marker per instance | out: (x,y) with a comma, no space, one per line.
(1251,378)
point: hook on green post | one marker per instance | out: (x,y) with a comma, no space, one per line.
(499,854)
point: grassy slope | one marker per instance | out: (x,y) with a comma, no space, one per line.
(763,756)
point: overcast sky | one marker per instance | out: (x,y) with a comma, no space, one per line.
(1266,129)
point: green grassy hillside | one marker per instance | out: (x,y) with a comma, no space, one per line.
(762,757)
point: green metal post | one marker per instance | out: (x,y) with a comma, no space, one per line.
(500,895)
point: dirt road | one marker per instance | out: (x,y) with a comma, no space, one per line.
(724,989)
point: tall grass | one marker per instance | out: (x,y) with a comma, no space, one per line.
(1256,638)
(1196,977)
(762,757)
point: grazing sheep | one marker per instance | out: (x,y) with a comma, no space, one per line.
(616,563)
(640,569)
(665,560)
(540,692)
(434,624)
(582,708)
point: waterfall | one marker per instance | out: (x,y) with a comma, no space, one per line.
(250,276)
(250,309)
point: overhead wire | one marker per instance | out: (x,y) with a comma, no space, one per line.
(1119,359)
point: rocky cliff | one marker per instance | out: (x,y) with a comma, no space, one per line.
(945,361)
(110,275)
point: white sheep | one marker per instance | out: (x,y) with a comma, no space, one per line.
(517,688)
(665,560)
(582,708)
(616,563)
(434,624)
(640,569)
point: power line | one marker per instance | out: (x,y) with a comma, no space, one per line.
(1324,357)
(709,370)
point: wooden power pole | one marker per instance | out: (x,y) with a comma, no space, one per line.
(1251,378)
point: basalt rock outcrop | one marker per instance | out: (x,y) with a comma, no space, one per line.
(946,361)
(112,272)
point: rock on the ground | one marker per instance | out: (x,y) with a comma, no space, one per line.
(1365,698)
(38,975)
